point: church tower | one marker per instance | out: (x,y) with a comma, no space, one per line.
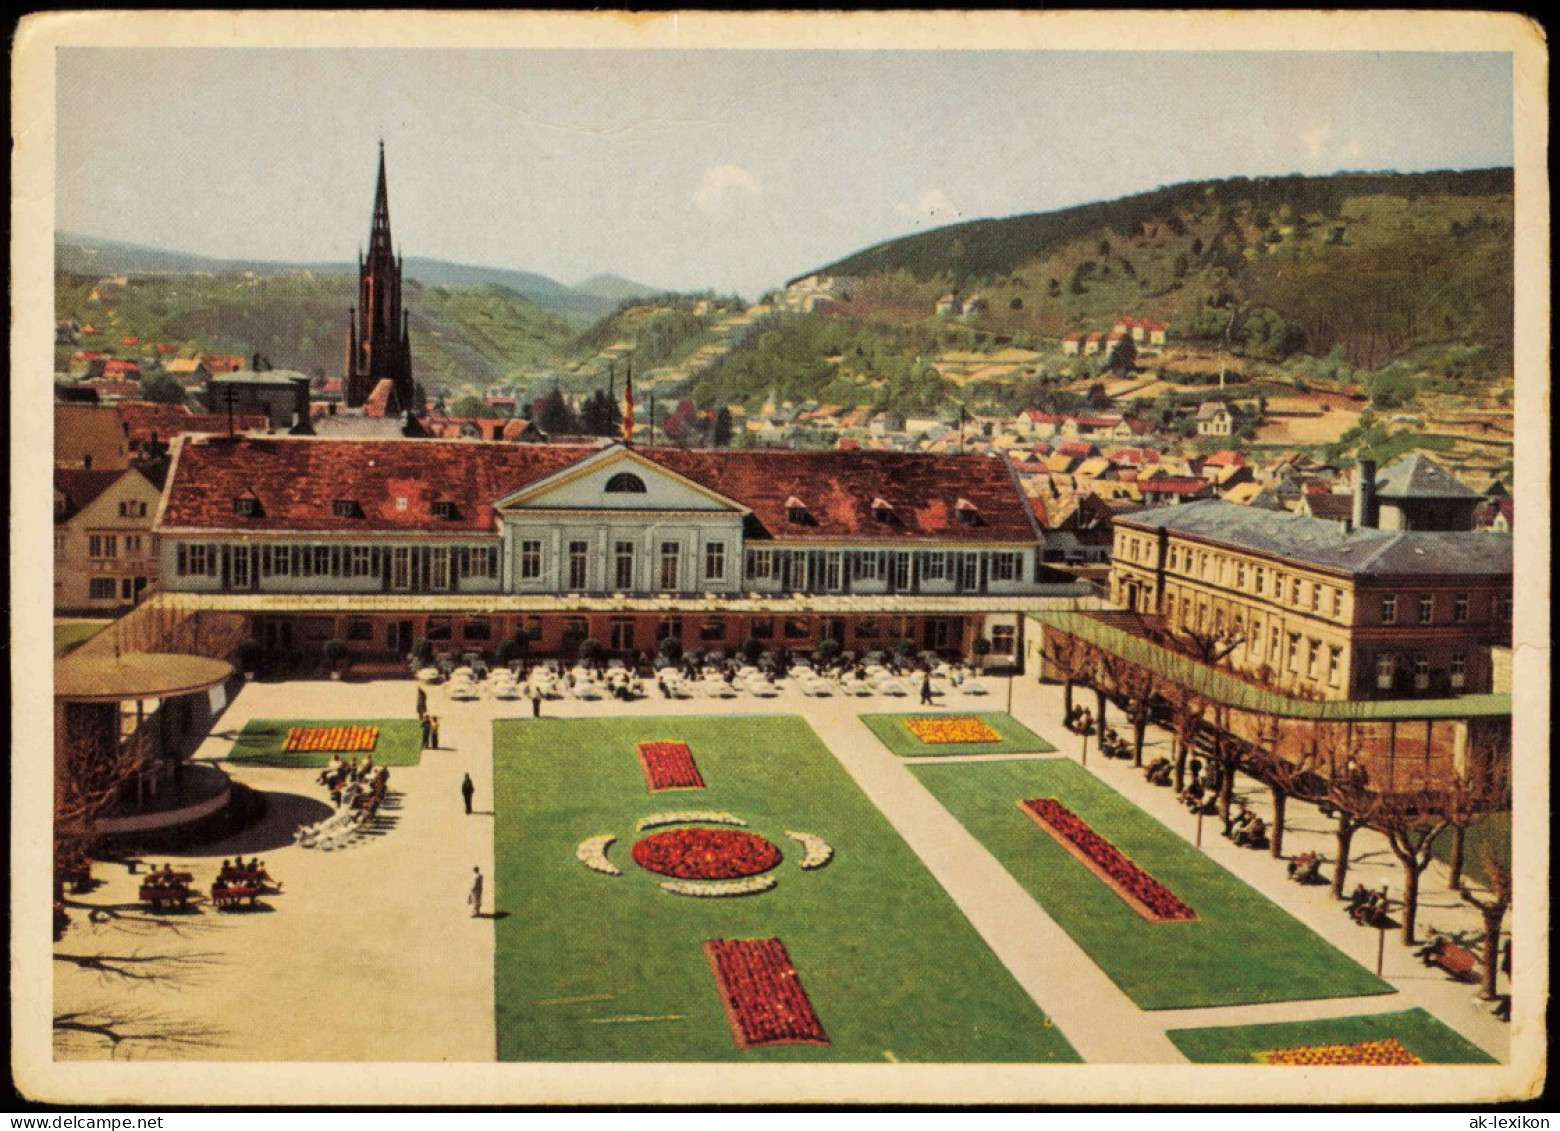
(379,344)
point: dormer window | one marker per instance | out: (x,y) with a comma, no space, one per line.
(625,483)
(443,509)
(247,505)
(796,512)
(967,512)
(882,510)
(347,508)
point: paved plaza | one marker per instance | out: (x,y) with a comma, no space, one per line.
(371,953)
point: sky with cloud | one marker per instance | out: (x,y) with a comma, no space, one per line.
(713,169)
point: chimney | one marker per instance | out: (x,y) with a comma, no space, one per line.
(1365,510)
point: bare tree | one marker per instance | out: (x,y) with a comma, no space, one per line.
(1492,909)
(1188,710)
(1286,773)
(1411,822)
(1345,790)
(119,1030)
(1067,654)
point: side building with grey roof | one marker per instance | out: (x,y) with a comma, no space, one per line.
(1313,608)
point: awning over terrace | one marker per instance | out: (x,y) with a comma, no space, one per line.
(1238,694)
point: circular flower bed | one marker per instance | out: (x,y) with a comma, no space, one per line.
(705,854)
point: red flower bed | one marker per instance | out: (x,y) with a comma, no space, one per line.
(1383,1052)
(705,854)
(763,994)
(669,765)
(350,738)
(1146,895)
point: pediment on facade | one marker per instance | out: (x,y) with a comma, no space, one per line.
(617,479)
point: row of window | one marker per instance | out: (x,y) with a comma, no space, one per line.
(438,566)
(1427,608)
(577,564)
(115,588)
(104,547)
(830,570)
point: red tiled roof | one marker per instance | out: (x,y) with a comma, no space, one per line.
(1225,458)
(840,487)
(80,487)
(120,365)
(298,481)
(1172,485)
(1097,421)
(1075,449)
(143,419)
(106,388)
(223,362)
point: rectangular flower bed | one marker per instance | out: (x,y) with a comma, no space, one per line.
(669,765)
(1372,1053)
(763,994)
(944,732)
(349,739)
(1144,894)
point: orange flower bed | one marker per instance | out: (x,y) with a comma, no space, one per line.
(940,732)
(351,739)
(1371,1053)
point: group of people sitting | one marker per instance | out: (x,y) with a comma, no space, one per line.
(1306,868)
(166,877)
(354,784)
(1367,908)
(1248,830)
(236,873)
(1201,794)
(1114,746)
(1079,720)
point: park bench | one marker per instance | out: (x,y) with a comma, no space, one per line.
(229,896)
(1455,960)
(160,895)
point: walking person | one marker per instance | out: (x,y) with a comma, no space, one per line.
(926,689)
(427,730)
(433,730)
(536,704)
(467,791)
(422,702)
(475,899)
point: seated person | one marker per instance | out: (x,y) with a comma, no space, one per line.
(1434,945)
(1357,898)
(1253,835)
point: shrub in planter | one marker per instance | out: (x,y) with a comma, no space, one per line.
(671,649)
(506,651)
(904,648)
(982,648)
(590,650)
(752,648)
(335,655)
(422,650)
(827,652)
(247,654)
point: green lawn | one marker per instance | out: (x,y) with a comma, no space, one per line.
(1016,737)
(69,633)
(1414,1029)
(260,743)
(611,968)
(1242,949)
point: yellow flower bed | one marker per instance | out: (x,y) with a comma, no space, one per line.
(938,732)
(1384,1052)
(350,739)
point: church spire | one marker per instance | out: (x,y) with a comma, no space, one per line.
(379,236)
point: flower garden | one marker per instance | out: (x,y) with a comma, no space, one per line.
(1241,948)
(597,961)
(705,854)
(668,765)
(352,738)
(943,732)
(1143,893)
(763,994)
(1404,1037)
(309,743)
(941,736)
(1373,1054)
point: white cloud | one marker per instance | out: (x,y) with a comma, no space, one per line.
(1354,148)
(721,183)
(933,207)
(1315,138)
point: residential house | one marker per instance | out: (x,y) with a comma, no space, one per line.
(1214,419)
(105,557)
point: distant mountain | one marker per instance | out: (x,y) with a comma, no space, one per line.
(1379,265)
(614,288)
(83,255)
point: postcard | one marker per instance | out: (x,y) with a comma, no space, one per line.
(707,558)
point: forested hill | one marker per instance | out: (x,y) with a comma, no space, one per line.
(1375,263)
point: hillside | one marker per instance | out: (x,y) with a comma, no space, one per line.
(1379,267)
(89,255)
(472,337)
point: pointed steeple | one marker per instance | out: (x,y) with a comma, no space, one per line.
(379,235)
